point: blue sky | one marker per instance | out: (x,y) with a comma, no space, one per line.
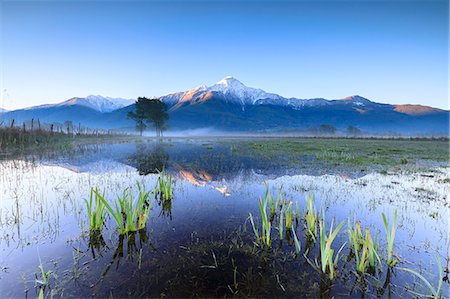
(394,51)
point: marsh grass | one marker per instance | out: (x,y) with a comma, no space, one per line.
(129,216)
(435,292)
(164,186)
(311,218)
(96,210)
(297,244)
(263,238)
(328,260)
(289,215)
(274,204)
(390,235)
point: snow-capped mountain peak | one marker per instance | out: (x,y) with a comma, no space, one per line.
(235,89)
(99,103)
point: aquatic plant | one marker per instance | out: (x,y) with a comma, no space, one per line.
(44,280)
(390,235)
(354,235)
(435,293)
(289,216)
(368,257)
(273,204)
(97,212)
(264,237)
(328,261)
(296,242)
(164,186)
(372,250)
(311,217)
(281,225)
(127,217)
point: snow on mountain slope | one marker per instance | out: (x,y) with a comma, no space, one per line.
(234,89)
(103,104)
(230,88)
(3,110)
(95,102)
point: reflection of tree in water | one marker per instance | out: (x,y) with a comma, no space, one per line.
(149,161)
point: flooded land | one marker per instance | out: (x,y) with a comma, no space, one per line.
(227,217)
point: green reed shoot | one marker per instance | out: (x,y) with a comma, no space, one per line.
(264,237)
(355,236)
(372,250)
(265,223)
(273,204)
(289,216)
(390,235)
(296,242)
(164,186)
(97,212)
(311,218)
(129,218)
(281,225)
(435,293)
(328,263)
(364,248)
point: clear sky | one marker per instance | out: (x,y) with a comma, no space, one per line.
(393,51)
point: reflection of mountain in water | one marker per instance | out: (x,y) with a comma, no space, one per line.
(214,163)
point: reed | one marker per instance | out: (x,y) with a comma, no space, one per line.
(297,244)
(129,217)
(273,203)
(435,293)
(328,261)
(289,216)
(164,186)
(264,237)
(364,248)
(97,211)
(311,218)
(390,235)
(281,225)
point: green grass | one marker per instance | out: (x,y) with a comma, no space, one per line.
(435,292)
(390,235)
(390,152)
(289,215)
(311,218)
(164,186)
(328,260)
(129,215)
(97,211)
(364,248)
(264,237)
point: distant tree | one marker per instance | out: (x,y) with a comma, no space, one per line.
(150,112)
(353,131)
(69,126)
(327,129)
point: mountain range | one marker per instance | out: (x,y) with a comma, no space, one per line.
(229,105)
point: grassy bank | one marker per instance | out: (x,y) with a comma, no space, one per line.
(353,151)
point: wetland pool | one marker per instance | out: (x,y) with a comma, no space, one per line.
(201,242)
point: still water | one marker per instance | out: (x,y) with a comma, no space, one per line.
(202,244)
